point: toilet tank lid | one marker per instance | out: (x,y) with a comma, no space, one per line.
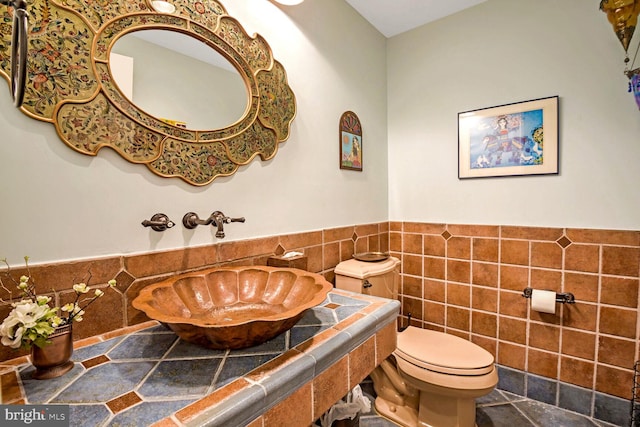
(362,269)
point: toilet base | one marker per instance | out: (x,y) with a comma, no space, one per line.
(404,416)
(437,410)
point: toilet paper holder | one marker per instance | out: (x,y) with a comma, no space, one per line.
(561,297)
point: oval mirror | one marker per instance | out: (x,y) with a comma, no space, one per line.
(179,79)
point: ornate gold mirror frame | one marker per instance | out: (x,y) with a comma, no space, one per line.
(70,85)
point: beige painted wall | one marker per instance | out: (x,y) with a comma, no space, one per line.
(58,204)
(500,52)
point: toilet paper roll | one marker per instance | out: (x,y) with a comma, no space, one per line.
(543,301)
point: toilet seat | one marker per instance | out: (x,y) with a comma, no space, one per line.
(443,353)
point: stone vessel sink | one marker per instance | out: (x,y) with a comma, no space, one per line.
(233,307)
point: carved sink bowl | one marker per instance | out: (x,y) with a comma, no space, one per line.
(233,307)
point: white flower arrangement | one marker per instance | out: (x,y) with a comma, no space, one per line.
(32,320)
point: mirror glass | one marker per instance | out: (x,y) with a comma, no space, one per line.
(179,79)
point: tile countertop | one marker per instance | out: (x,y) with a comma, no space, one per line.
(146,375)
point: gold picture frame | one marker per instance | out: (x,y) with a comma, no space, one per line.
(509,140)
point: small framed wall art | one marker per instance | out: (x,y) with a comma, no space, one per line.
(350,141)
(509,140)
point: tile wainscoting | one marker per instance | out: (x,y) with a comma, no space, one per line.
(462,279)
(324,249)
(468,280)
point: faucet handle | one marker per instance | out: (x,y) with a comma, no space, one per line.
(158,222)
(229,220)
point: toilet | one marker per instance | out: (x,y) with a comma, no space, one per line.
(432,379)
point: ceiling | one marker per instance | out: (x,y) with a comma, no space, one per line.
(392,17)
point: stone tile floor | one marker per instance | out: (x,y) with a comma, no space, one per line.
(503,409)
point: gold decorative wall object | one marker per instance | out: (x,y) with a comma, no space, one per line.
(70,85)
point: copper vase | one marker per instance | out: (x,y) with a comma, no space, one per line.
(54,360)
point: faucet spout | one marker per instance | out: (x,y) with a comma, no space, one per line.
(219,219)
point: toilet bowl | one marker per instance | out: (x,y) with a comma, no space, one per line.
(432,379)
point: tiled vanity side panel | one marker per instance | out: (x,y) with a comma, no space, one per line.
(468,280)
(317,396)
(324,249)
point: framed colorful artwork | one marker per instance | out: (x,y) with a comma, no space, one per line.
(509,140)
(350,142)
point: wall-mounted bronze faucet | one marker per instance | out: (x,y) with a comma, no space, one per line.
(191,220)
(158,222)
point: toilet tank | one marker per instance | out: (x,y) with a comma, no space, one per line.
(379,278)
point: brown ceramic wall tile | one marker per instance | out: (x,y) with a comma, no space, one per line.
(512,330)
(412,264)
(617,352)
(412,243)
(413,306)
(330,255)
(412,286)
(434,245)
(474,230)
(511,355)
(580,316)
(485,299)
(619,291)
(459,295)
(108,310)
(434,290)
(583,286)
(386,342)
(362,245)
(374,243)
(546,279)
(615,381)
(330,383)
(247,248)
(434,313)
(362,361)
(458,271)
(298,403)
(544,336)
(514,252)
(314,258)
(395,226)
(336,234)
(485,249)
(542,363)
(63,276)
(423,228)
(513,304)
(578,344)
(531,233)
(366,229)
(459,247)
(489,344)
(621,261)
(576,371)
(580,257)
(514,278)
(618,321)
(607,237)
(546,254)
(395,242)
(458,318)
(484,324)
(301,240)
(484,274)
(434,268)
